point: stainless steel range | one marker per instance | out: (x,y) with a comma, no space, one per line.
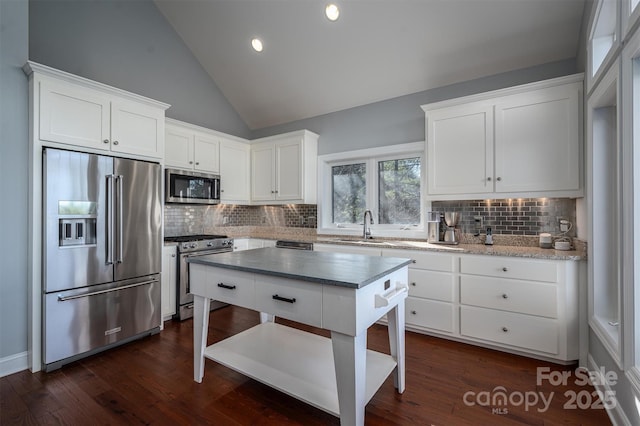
(190,246)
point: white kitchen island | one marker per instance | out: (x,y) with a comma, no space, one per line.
(343,293)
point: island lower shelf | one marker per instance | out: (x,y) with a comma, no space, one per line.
(295,362)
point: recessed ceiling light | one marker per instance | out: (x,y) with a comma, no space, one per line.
(256,43)
(332,11)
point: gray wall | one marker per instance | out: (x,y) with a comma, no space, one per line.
(401,120)
(13,176)
(129,45)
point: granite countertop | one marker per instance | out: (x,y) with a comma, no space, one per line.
(341,269)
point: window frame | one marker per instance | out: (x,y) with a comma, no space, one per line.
(370,157)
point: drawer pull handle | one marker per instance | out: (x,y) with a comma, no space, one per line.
(413,312)
(505,269)
(505,329)
(284,299)
(228,287)
(413,284)
(505,296)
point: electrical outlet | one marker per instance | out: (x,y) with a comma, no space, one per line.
(478,221)
(225,220)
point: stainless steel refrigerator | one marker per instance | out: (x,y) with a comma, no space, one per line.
(101,254)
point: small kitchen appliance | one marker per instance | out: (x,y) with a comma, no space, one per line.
(545,240)
(451,219)
(433,226)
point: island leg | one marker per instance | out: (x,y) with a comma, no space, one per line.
(395,318)
(350,360)
(200,329)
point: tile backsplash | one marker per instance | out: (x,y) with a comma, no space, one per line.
(521,216)
(193,219)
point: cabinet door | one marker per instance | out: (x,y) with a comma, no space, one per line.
(178,148)
(460,149)
(262,172)
(234,171)
(206,153)
(74,115)
(169,268)
(137,129)
(537,145)
(289,173)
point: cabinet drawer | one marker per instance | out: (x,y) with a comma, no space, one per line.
(226,285)
(504,267)
(431,285)
(524,331)
(424,260)
(429,314)
(527,297)
(303,300)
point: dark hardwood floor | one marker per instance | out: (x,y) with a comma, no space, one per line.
(150,381)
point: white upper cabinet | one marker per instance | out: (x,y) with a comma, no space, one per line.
(75,111)
(518,142)
(188,148)
(537,141)
(460,150)
(284,168)
(234,172)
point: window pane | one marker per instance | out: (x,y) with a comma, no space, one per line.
(349,192)
(399,191)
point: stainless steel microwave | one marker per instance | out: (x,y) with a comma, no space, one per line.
(189,187)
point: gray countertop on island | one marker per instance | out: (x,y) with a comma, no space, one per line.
(341,269)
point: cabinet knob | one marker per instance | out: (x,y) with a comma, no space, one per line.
(489,179)
(413,312)
(105,141)
(222,190)
(197,163)
(276,191)
(413,284)
(116,142)
(273,192)
(505,269)
(190,162)
(505,296)
(505,329)
(498,178)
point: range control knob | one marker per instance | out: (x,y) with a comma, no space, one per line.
(210,244)
(194,245)
(185,246)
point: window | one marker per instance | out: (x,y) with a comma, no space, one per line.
(399,191)
(349,192)
(388,181)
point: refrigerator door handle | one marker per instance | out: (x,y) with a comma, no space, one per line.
(119,222)
(109,224)
(62,298)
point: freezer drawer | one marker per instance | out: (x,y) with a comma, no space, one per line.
(81,320)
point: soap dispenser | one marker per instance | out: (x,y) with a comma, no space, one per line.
(489,239)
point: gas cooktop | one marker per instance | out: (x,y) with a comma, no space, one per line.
(189,238)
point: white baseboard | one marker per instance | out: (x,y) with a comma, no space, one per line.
(14,363)
(616,414)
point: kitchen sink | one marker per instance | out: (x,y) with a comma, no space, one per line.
(364,242)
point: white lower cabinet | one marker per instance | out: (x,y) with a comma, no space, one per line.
(516,330)
(168,278)
(520,305)
(432,290)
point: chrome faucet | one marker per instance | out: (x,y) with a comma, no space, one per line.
(366,232)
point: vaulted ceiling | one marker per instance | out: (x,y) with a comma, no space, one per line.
(376,50)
